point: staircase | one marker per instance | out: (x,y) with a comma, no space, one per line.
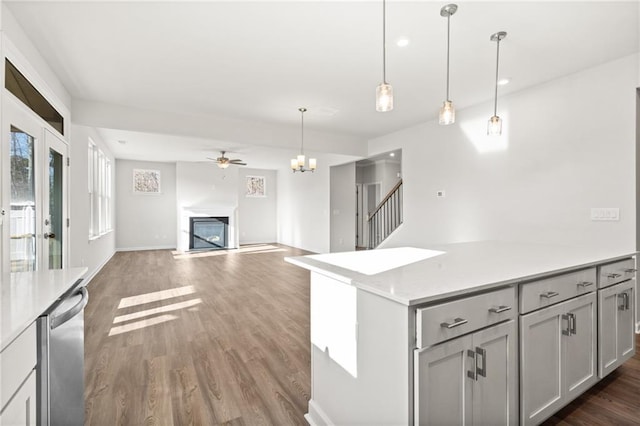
(386,217)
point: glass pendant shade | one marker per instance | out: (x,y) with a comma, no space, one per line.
(447,113)
(297,164)
(223,165)
(312,164)
(384,97)
(494,127)
(294,164)
(300,160)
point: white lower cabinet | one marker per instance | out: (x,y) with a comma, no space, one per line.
(21,410)
(616,340)
(470,380)
(557,356)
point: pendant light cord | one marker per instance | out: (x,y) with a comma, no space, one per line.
(448,42)
(495,101)
(302,133)
(384,41)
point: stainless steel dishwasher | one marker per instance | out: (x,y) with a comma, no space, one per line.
(60,368)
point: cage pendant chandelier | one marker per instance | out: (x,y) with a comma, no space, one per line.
(298,163)
(448,111)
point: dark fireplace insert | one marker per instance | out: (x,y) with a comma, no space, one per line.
(208,233)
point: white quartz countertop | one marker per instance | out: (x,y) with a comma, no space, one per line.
(25,296)
(411,276)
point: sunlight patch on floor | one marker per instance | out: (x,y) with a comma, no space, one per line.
(159,310)
(247,249)
(155,296)
(141,324)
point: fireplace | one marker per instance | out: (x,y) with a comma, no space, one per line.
(208,233)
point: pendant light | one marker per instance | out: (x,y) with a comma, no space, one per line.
(384,91)
(494,127)
(448,111)
(298,163)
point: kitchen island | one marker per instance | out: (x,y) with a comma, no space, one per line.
(25,296)
(403,336)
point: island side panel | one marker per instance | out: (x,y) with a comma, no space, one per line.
(359,356)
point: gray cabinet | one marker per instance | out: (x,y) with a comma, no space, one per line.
(470,380)
(557,356)
(616,340)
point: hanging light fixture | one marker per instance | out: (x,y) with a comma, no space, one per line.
(448,111)
(298,163)
(494,127)
(384,91)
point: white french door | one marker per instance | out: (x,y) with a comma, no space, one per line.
(34,192)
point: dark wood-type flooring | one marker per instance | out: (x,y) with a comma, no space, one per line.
(223,338)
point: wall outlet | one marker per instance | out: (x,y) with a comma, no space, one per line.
(440,193)
(605,214)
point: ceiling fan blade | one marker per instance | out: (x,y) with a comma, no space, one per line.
(239,164)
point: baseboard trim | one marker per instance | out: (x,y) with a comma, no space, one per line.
(99,268)
(146,248)
(316,416)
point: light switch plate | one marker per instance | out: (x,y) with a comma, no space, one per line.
(605,214)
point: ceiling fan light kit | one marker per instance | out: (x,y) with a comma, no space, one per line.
(224,162)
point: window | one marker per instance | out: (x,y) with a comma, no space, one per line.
(100,191)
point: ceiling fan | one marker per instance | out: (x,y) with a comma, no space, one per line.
(224,162)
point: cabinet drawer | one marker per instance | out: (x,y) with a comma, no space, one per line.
(613,273)
(448,320)
(549,291)
(16,363)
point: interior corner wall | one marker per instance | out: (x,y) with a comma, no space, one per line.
(342,202)
(303,208)
(257,216)
(145,221)
(567,146)
(84,252)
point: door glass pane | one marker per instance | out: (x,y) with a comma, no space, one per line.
(55,210)
(22,215)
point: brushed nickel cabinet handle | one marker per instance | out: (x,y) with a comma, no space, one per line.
(630,270)
(625,302)
(572,323)
(585,284)
(613,275)
(456,323)
(499,309)
(566,331)
(549,294)
(481,371)
(472,374)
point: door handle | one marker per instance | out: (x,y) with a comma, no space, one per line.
(456,323)
(481,371)
(572,323)
(549,294)
(49,235)
(472,374)
(566,331)
(499,309)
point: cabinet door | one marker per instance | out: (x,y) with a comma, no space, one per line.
(607,330)
(579,358)
(443,386)
(541,363)
(626,330)
(22,408)
(495,392)
(616,339)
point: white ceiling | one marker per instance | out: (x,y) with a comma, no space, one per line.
(260,61)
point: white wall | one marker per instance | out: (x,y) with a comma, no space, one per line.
(145,221)
(343,207)
(257,216)
(83,252)
(568,146)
